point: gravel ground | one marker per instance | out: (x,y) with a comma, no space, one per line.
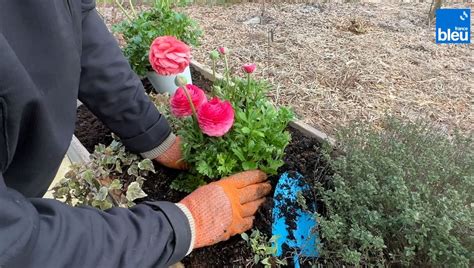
(335,63)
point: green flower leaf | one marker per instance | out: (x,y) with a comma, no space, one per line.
(238,153)
(249,165)
(245,130)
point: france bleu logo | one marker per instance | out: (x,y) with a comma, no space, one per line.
(453,26)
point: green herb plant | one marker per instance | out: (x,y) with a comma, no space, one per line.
(402,195)
(113,177)
(139,31)
(263,249)
(257,139)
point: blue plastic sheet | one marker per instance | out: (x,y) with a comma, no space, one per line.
(304,239)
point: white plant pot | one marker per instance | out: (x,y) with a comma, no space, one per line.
(165,83)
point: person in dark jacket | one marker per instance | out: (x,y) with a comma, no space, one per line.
(53,52)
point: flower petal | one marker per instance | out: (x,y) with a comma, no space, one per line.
(168,55)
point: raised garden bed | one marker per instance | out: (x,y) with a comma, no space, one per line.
(302,155)
(375,212)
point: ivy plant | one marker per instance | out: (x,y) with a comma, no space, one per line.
(113,177)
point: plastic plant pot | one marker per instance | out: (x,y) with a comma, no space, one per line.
(165,83)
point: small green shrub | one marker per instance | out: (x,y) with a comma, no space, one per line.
(400,195)
(140,32)
(113,177)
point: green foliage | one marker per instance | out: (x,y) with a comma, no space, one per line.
(187,182)
(263,250)
(140,32)
(257,139)
(99,182)
(400,195)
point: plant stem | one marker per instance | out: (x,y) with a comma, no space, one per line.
(214,69)
(214,76)
(163,4)
(132,8)
(248,88)
(227,74)
(227,71)
(195,118)
(190,102)
(124,11)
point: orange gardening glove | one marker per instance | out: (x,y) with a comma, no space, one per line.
(173,157)
(226,207)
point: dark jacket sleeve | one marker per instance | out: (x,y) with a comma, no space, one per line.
(48,233)
(112,91)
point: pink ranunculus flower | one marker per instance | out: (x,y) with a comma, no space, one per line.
(168,55)
(216,117)
(179,103)
(249,67)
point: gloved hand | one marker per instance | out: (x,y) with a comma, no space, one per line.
(225,208)
(173,157)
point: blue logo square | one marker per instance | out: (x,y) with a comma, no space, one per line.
(453,26)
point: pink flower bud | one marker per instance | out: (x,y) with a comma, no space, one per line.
(223,50)
(249,67)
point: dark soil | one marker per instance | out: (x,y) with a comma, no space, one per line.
(302,155)
(90,130)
